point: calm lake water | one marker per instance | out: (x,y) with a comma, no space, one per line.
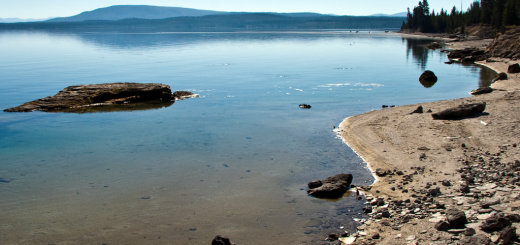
(233,162)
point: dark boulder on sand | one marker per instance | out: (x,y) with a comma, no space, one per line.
(463,110)
(500,76)
(484,90)
(218,240)
(331,187)
(514,68)
(99,94)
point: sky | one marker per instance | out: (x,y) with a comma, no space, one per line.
(63,8)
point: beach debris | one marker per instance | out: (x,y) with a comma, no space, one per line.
(500,76)
(463,110)
(219,240)
(418,110)
(467,55)
(305,106)
(331,187)
(347,240)
(484,90)
(514,68)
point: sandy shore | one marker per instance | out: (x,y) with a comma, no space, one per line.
(432,151)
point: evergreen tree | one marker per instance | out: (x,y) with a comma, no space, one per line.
(498,12)
(511,11)
(486,11)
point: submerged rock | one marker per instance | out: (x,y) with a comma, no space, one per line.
(99,94)
(428,76)
(331,187)
(182,95)
(463,110)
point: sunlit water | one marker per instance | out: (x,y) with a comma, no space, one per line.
(233,162)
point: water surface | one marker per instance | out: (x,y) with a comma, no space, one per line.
(233,162)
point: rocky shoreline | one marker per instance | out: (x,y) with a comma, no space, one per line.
(442,181)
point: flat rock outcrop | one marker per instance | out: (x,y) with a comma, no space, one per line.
(331,187)
(99,94)
(463,110)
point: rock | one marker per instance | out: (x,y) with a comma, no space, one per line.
(456,218)
(367,209)
(418,110)
(381,172)
(485,90)
(463,110)
(434,191)
(495,223)
(99,94)
(513,217)
(469,232)
(305,106)
(490,202)
(145,197)
(331,187)
(446,183)
(218,240)
(428,76)
(333,237)
(347,240)
(385,214)
(514,68)
(479,239)
(435,45)
(376,236)
(182,95)
(507,235)
(500,76)
(442,226)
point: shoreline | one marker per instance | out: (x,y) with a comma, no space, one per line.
(431,153)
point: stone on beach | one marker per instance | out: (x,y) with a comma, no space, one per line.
(500,76)
(463,110)
(484,90)
(331,187)
(456,218)
(514,68)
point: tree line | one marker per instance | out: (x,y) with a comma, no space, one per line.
(498,13)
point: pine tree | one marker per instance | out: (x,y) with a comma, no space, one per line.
(498,12)
(511,11)
(486,11)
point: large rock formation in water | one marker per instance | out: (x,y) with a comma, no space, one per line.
(99,94)
(331,187)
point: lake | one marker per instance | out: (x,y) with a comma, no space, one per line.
(233,162)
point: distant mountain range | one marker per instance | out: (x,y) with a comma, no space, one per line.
(401,14)
(120,12)
(16,20)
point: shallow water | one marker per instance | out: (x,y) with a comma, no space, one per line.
(233,162)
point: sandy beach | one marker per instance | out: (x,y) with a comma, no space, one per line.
(431,153)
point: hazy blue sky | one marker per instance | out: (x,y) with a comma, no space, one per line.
(63,8)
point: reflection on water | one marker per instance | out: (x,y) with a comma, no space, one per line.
(427,84)
(143,106)
(417,48)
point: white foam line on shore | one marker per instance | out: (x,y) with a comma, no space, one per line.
(338,131)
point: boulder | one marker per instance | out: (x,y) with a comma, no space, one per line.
(331,187)
(442,226)
(495,223)
(463,110)
(428,76)
(484,90)
(490,202)
(218,240)
(98,94)
(456,218)
(381,172)
(507,235)
(418,110)
(514,68)
(479,239)
(500,76)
